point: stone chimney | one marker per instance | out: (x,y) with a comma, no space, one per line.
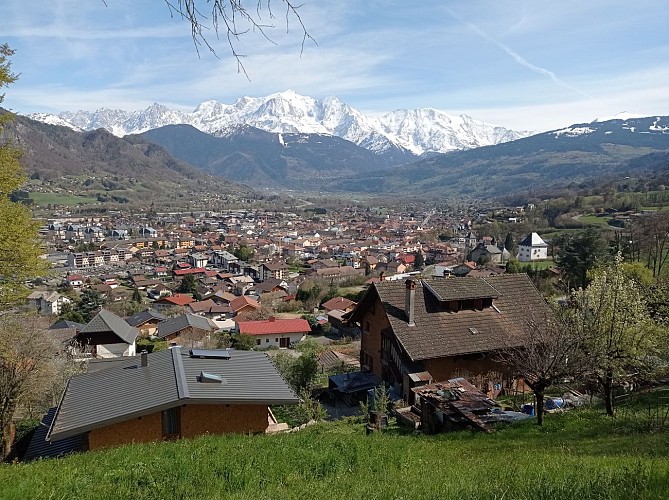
(144,356)
(410,301)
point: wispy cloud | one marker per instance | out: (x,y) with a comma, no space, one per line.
(516,56)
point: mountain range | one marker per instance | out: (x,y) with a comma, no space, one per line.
(404,132)
(288,142)
(99,164)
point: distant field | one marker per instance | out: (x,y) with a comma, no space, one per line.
(576,455)
(544,264)
(70,200)
(593,219)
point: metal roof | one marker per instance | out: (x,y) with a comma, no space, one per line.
(39,447)
(171,378)
(107,321)
(178,323)
(144,316)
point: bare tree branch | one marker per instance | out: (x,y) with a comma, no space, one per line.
(234,19)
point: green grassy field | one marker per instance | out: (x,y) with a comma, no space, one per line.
(576,455)
(70,200)
(594,220)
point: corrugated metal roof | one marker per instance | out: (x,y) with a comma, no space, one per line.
(39,447)
(93,400)
(116,394)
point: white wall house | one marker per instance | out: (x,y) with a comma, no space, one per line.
(532,248)
(275,332)
(48,302)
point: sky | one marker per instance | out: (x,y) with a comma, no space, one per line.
(528,65)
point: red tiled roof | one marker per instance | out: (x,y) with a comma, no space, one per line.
(340,303)
(180,299)
(193,270)
(243,301)
(274,326)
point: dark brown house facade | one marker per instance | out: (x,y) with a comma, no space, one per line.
(419,331)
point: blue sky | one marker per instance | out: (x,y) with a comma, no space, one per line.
(532,65)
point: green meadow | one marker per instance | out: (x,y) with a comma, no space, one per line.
(580,454)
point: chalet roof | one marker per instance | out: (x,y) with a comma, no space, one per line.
(63,323)
(178,323)
(275,266)
(170,379)
(243,301)
(178,299)
(460,289)
(144,317)
(106,321)
(202,305)
(440,333)
(340,303)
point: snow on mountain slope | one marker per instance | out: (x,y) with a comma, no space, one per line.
(419,130)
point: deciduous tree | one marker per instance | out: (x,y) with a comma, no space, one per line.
(234,18)
(613,319)
(652,234)
(19,244)
(551,351)
(27,369)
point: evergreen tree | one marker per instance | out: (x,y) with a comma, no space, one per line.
(419,261)
(509,244)
(579,253)
(188,284)
(136,296)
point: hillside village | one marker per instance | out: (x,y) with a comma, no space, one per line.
(264,256)
(123,285)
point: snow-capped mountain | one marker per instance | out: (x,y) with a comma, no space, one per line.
(417,131)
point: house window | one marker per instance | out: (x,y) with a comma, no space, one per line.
(171,423)
(267,341)
(257,341)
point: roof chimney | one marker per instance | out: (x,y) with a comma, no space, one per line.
(272,319)
(409,301)
(145,358)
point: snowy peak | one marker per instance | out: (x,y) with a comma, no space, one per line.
(417,131)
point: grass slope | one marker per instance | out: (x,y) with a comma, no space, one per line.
(578,455)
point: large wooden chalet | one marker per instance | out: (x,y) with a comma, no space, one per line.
(426,330)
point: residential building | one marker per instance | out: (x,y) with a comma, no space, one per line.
(275,332)
(48,302)
(440,328)
(108,336)
(168,395)
(532,248)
